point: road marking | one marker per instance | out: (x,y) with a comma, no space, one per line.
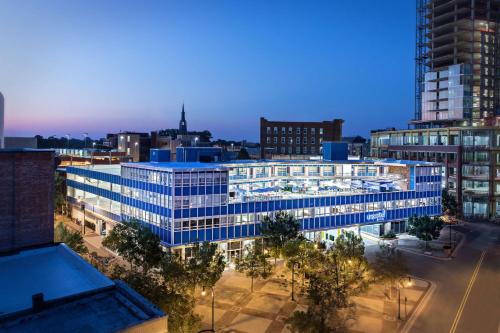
(467,292)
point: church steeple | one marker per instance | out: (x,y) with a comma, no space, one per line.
(183,123)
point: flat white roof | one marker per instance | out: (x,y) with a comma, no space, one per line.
(56,271)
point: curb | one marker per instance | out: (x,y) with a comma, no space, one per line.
(421,305)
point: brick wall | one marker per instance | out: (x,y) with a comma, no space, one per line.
(26,198)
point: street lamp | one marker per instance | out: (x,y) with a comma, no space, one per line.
(409,283)
(196,141)
(82,208)
(204,293)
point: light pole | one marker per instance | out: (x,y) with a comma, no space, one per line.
(293,278)
(409,283)
(196,141)
(204,293)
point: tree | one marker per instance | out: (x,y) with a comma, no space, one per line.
(350,246)
(136,243)
(254,263)
(425,228)
(59,196)
(302,256)
(389,265)
(329,291)
(449,203)
(276,232)
(71,238)
(206,265)
(243,154)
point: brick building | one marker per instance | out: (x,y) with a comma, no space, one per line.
(297,138)
(26,198)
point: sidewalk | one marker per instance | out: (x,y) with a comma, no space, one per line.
(435,248)
(267,308)
(91,239)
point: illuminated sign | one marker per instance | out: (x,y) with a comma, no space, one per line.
(376,216)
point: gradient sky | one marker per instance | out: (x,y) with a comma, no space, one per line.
(104,66)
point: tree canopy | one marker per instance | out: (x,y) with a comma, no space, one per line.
(71,238)
(424,227)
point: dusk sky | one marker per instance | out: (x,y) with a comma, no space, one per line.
(105,66)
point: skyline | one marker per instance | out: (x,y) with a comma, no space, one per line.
(104,67)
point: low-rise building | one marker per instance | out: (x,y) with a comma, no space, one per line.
(225,202)
(291,138)
(52,289)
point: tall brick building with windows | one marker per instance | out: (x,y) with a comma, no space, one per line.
(297,138)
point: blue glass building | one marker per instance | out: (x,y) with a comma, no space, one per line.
(187,202)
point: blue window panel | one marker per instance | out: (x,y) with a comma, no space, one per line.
(230,232)
(209,190)
(230,209)
(258,207)
(177,214)
(193,236)
(193,212)
(216,189)
(237,208)
(244,231)
(178,191)
(185,237)
(322,222)
(237,231)
(244,208)
(322,202)
(216,234)
(216,210)
(257,229)
(317,202)
(265,206)
(185,213)
(224,232)
(208,211)
(289,204)
(223,189)
(251,207)
(251,230)
(201,235)
(194,190)
(223,210)
(169,237)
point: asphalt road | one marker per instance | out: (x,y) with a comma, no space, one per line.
(467,294)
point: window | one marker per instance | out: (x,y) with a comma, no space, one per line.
(313,141)
(313,131)
(291,140)
(297,150)
(305,131)
(282,139)
(283,131)
(283,150)
(297,141)
(276,130)
(313,150)
(268,139)
(305,150)
(297,130)
(290,131)
(321,131)
(305,140)
(275,140)
(269,130)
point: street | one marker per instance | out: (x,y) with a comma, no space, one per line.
(467,297)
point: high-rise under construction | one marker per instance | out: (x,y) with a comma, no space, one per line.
(457,77)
